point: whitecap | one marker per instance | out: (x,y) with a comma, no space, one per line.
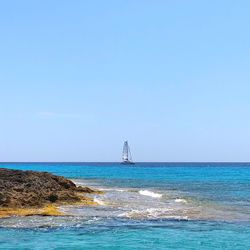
(153,213)
(99,202)
(180,200)
(150,193)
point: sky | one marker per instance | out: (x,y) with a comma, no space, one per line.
(77,78)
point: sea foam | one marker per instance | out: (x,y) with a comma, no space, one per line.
(100,202)
(180,200)
(153,213)
(150,193)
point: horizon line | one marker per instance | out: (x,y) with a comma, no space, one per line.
(120,162)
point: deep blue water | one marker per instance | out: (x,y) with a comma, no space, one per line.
(196,206)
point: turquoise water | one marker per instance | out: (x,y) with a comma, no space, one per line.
(145,206)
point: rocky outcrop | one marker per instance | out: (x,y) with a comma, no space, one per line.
(31,189)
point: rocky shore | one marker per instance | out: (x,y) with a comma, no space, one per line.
(38,193)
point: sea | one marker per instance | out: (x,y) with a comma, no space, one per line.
(143,206)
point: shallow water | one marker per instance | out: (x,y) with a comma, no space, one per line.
(144,206)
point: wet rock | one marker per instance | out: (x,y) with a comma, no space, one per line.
(85,190)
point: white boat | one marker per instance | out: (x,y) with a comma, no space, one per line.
(126,154)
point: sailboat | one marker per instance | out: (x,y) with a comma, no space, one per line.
(126,154)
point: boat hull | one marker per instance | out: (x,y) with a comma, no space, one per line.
(127,163)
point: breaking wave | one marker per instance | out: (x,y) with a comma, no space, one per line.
(150,193)
(100,202)
(153,213)
(180,200)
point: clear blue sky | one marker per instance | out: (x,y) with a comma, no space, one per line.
(77,78)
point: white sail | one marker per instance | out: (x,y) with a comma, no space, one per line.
(126,154)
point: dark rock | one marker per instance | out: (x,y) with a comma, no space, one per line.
(85,189)
(33,189)
(53,197)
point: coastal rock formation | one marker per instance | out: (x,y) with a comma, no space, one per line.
(31,189)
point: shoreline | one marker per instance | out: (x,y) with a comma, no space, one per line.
(46,210)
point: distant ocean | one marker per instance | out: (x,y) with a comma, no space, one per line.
(144,206)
